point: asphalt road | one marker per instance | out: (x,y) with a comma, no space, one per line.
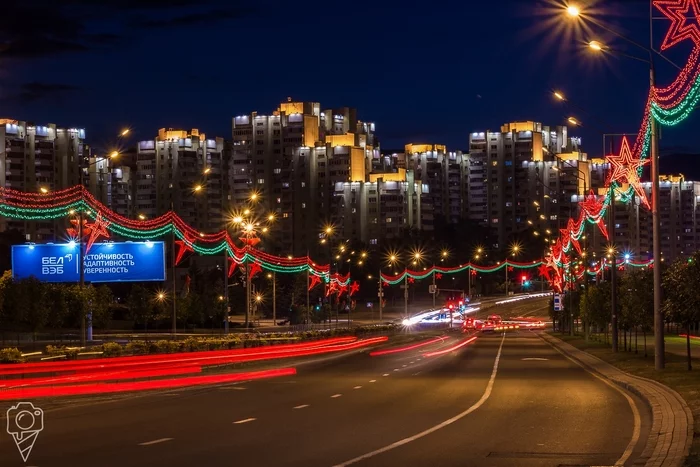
(501,401)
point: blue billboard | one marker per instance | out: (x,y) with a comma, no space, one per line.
(105,262)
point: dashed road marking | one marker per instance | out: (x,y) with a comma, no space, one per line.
(245,420)
(156,441)
(403,366)
(372,380)
(385,374)
(302,406)
(335,395)
(357,387)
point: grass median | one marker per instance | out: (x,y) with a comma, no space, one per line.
(676,376)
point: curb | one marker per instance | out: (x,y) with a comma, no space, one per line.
(671,433)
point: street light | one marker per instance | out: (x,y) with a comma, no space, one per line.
(514,250)
(573,11)
(43,190)
(573,121)
(595,45)
(659,357)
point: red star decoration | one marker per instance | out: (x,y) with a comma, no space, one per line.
(73,231)
(184,246)
(411,280)
(384,283)
(625,168)
(252,241)
(592,206)
(574,227)
(354,288)
(332,288)
(473,272)
(314,280)
(510,269)
(543,270)
(438,276)
(342,289)
(232,266)
(97,229)
(651,265)
(680,12)
(254,269)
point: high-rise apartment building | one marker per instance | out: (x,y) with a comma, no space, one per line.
(184,171)
(510,180)
(444,173)
(293,160)
(38,158)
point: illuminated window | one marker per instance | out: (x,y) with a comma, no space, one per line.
(285,215)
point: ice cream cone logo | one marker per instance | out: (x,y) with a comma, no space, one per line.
(24,422)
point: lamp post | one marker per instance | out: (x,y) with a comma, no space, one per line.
(478,252)
(81,260)
(597,46)
(514,250)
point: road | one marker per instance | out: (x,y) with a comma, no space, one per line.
(500,401)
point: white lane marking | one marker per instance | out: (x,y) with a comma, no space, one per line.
(403,366)
(245,420)
(385,374)
(416,374)
(335,395)
(396,369)
(411,363)
(479,403)
(233,388)
(534,358)
(302,406)
(372,380)
(162,440)
(357,387)
(636,431)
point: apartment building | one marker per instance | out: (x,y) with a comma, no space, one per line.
(181,170)
(292,160)
(38,158)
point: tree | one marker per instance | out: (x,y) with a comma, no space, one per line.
(140,307)
(34,310)
(681,284)
(101,305)
(637,300)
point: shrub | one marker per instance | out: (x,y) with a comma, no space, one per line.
(111,349)
(137,348)
(11,355)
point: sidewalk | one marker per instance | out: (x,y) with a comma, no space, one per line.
(672,421)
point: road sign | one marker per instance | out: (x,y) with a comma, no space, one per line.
(432,289)
(105,262)
(558,303)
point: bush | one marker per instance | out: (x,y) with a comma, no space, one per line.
(11,355)
(111,349)
(137,348)
(165,346)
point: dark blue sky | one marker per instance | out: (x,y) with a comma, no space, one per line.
(423,71)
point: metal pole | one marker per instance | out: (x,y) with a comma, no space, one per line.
(247,288)
(381,295)
(659,357)
(83,339)
(469,283)
(308,303)
(506,276)
(405,294)
(226,305)
(434,286)
(274,298)
(613,271)
(172,257)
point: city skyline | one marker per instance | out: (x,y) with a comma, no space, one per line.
(457,91)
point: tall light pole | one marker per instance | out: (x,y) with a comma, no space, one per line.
(659,346)
(81,254)
(392,258)
(514,250)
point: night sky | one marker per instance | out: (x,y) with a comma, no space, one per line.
(423,71)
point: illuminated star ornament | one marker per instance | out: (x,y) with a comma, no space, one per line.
(411,280)
(593,206)
(438,276)
(183,246)
(254,269)
(73,232)
(313,281)
(232,266)
(97,229)
(625,168)
(354,288)
(684,16)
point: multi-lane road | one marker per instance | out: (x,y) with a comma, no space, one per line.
(502,400)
